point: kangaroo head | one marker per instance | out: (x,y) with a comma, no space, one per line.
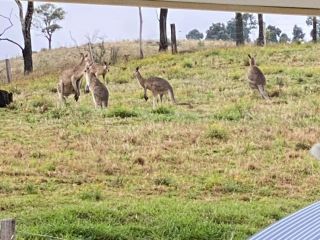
(106,66)
(252,60)
(84,58)
(136,72)
(89,68)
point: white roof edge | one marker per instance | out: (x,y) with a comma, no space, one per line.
(298,7)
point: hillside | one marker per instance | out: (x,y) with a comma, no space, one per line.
(223,168)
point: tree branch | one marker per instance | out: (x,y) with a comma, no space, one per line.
(11,24)
(23,26)
(73,40)
(9,40)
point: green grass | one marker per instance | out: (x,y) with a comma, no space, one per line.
(221,166)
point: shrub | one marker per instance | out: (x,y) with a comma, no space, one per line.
(217,132)
(122,112)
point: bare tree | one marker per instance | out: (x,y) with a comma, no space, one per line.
(239,29)
(260,41)
(163,45)
(25,28)
(140,34)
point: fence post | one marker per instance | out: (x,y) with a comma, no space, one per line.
(173,39)
(9,73)
(7,229)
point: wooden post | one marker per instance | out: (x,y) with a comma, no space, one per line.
(7,229)
(9,73)
(173,39)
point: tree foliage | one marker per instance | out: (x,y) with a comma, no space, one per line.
(249,23)
(220,31)
(46,18)
(194,34)
(217,31)
(284,38)
(273,34)
(298,34)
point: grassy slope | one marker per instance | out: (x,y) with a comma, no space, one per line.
(223,169)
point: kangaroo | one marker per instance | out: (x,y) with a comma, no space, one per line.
(99,91)
(158,87)
(100,70)
(70,80)
(256,78)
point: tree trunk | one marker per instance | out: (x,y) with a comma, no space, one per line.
(163,45)
(140,34)
(260,41)
(173,39)
(239,29)
(50,41)
(314,29)
(27,51)
(27,60)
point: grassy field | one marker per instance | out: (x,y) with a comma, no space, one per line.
(223,168)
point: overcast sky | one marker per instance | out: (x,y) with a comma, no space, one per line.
(118,23)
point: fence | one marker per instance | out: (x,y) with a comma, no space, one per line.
(8,232)
(8,71)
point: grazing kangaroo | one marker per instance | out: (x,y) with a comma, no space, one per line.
(256,78)
(158,87)
(99,70)
(70,80)
(98,90)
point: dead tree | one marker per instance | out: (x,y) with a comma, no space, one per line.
(140,33)
(25,27)
(163,45)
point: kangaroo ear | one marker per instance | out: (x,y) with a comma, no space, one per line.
(137,69)
(249,56)
(105,63)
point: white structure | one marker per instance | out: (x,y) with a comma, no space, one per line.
(299,7)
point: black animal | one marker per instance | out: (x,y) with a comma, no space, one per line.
(5,98)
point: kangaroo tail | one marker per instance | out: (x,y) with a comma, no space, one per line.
(263,92)
(171,94)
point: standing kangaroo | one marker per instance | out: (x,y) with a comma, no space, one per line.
(99,91)
(102,69)
(70,80)
(256,78)
(99,70)
(158,87)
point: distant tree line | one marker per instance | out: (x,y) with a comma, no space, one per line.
(239,28)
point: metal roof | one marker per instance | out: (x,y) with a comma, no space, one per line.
(300,7)
(302,225)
